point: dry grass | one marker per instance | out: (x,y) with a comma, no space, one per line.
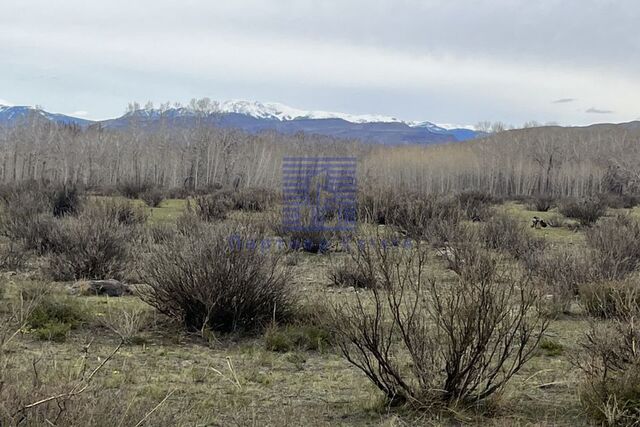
(227,380)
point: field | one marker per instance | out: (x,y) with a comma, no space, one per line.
(165,375)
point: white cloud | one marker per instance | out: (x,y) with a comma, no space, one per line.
(5,102)
(80,113)
(466,61)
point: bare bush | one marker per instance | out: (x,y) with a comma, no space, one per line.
(347,273)
(616,243)
(541,203)
(411,211)
(561,273)
(132,189)
(254,199)
(208,281)
(476,204)
(610,299)
(587,210)
(610,362)
(417,215)
(124,212)
(464,254)
(188,222)
(126,322)
(153,197)
(213,207)
(161,233)
(66,201)
(424,342)
(92,246)
(310,233)
(13,257)
(28,218)
(508,234)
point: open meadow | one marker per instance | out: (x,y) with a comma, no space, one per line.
(73,355)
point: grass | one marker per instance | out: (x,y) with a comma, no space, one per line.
(230,382)
(168,211)
(282,377)
(560,235)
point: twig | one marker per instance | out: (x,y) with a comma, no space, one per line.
(156,407)
(77,389)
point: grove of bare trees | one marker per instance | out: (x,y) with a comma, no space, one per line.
(544,160)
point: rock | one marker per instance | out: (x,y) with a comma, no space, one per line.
(110,287)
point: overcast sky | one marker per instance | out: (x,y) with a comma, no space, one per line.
(446,61)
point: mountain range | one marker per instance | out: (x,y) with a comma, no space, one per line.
(254,117)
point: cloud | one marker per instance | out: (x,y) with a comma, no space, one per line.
(598,111)
(506,60)
(5,102)
(564,100)
(80,113)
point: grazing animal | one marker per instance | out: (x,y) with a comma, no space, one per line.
(538,222)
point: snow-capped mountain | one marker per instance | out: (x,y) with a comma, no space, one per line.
(276,111)
(253,117)
(11,115)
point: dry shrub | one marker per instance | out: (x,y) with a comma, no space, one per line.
(346,274)
(15,311)
(619,200)
(28,218)
(254,199)
(505,233)
(587,210)
(132,190)
(95,245)
(153,197)
(610,299)
(66,201)
(541,203)
(425,342)
(126,322)
(13,257)
(561,273)
(411,211)
(476,204)
(415,214)
(464,254)
(188,222)
(213,207)
(309,233)
(124,212)
(161,233)
(205,280)
(610,362)
(616,243)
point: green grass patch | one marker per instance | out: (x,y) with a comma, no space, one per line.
(561,235)
(54,317)
(296,337)
(168,211)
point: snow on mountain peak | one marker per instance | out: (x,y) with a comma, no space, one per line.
(281,112)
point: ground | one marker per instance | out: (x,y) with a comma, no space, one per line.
(236,381)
